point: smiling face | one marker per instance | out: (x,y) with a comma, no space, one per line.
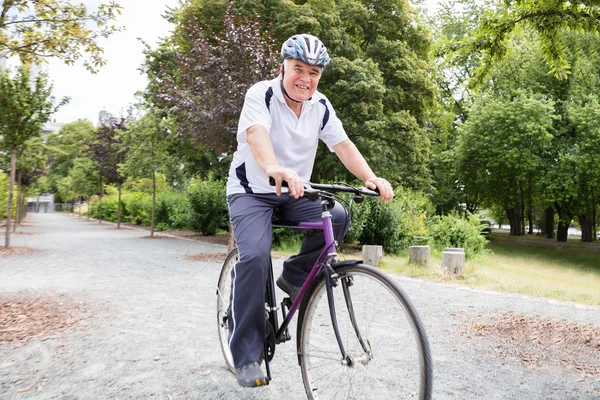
(300,79)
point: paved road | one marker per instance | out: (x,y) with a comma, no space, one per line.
(150,333)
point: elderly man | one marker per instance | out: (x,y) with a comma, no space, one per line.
(278,132)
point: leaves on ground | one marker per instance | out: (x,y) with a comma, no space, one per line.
(23,319)
(537,340)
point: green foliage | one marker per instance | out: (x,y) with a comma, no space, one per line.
(39,29)
(395,226)
(208,206)
(455,231)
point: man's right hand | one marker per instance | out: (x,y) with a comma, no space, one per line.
(280,174)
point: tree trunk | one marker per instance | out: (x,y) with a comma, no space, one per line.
(13,166)
(153,202)
(88,208)
(586,227)
(550,223)
(594,219)
(530,208)
(562,232)
(19,190)
(100,204)
(119,209)
(514,219)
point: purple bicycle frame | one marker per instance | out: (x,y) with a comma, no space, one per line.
(328,250)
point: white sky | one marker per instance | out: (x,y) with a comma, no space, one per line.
(114,86)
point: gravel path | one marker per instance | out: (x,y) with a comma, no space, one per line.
(146,326)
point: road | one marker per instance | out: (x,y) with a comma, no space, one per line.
(146,326)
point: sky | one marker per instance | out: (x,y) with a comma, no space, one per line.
(114,86)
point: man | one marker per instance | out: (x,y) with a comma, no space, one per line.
(278,133)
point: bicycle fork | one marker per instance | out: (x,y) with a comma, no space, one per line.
(331,279)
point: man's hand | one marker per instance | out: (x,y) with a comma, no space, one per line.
(280,174)
(385,189)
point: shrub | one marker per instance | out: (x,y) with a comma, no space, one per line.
(455,231)
(395,226)
(138,208)
(209,212)
(173,210)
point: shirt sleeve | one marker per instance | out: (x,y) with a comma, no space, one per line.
(333,131)
(254,111)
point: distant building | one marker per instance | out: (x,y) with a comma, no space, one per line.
(41,204)
(50,127)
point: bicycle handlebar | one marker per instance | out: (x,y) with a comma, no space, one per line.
(312,190)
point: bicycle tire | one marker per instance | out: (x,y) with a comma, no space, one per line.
(223,298)
(400,364)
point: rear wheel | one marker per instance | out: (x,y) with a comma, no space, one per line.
(381,333)
(223,298)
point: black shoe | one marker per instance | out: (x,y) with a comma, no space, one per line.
(290,289)
(250,375)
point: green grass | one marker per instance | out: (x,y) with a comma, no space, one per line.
(531,266)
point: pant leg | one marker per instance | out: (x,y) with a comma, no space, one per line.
(251,221)
(297,268)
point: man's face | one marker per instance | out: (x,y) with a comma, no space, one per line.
(300,79)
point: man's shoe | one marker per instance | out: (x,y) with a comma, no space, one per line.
(250,375)
(290,289)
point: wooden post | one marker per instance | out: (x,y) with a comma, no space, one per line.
(371,255)
(453,262)
(418,255)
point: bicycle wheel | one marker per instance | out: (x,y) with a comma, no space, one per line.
(392,360)
(223,297)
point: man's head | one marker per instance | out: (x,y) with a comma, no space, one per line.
(304,57)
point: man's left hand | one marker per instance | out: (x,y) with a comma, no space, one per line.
(385,189)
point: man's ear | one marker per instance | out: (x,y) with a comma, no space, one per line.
(281,69)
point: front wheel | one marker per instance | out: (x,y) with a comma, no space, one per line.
(223,297)
(386,344)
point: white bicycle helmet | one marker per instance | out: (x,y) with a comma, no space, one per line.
(306,48)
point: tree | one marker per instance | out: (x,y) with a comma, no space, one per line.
(31,165)
(147,140)
(551,19)
(501,147)
(37,29)
(206,94)
(24,108)
(66,146)
(108,151)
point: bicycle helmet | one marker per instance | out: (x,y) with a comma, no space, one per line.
(306,48)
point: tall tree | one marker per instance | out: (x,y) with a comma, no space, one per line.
(37,29)
(108,151)
(24,108)
(147,141)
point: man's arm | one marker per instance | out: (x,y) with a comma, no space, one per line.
(356,164)
(264,155)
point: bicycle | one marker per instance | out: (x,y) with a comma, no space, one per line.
(351,351)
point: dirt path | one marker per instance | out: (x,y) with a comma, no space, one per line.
(110,314)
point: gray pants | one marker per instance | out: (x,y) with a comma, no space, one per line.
(251,221)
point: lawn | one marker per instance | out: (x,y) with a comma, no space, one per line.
(527,265)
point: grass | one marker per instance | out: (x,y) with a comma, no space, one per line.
(527,265)
(530,266)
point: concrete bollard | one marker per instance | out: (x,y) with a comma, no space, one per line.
(371,255)
(418,255)
(453,262)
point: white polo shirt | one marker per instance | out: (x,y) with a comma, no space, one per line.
(294,139)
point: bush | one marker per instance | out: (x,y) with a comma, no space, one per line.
(455,231)
(173,210)
(209,212)
(138,208)
(395,226)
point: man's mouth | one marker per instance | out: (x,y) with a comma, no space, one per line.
(302,87)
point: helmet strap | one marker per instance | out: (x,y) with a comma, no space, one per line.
(283,88)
